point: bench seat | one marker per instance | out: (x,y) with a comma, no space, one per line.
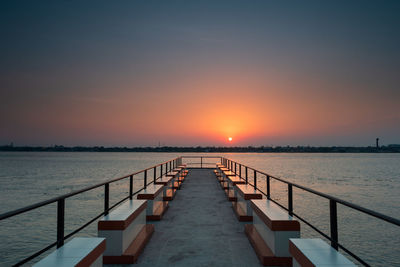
(165,180)
(126,232)
(272,227)
(172,173)
(316,252)
(244,193)
(234,180)
(80,252)
(228,173)
(156,206)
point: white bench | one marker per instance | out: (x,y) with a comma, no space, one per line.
(168,189)
(224,181)
(180,176)
(80,252)
(156,206)
(184,171)
(126,232)
(220,169)
(217,169)
(316,252)
(270,232)
(176,184)
(244,193)
(232,182)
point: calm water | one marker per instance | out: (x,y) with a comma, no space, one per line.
(370,180)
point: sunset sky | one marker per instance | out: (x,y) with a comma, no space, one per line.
(188,73)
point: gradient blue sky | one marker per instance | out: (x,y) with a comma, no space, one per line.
(196,72)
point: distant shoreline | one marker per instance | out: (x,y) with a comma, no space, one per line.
(199,149)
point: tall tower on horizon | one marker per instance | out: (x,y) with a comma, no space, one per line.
(377,142)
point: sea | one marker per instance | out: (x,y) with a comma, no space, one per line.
(368,180)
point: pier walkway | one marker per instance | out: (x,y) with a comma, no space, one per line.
(199,229)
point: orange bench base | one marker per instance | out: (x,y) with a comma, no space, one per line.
(170,195)
(132,253)
(240,214)
(231,196)
(264,253)
(157,216)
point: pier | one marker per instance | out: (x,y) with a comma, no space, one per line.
(199,229)
(198,211)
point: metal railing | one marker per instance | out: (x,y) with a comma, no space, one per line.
(237,167)
(202,164)
(163,169)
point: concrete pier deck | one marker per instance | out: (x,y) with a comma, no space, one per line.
(199,229)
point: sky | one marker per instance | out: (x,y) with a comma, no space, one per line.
(189,73)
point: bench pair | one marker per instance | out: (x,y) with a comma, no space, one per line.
(123,233)
(275,237)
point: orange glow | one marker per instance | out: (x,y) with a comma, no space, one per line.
(200,108)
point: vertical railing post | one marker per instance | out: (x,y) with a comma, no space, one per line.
(240,170)
(333,222)
(221,161)
(255,179)
(154,175)
(235,167)
(201,162)
(145,179)
(268,187)
(161,173)
(130,186)
(290,199)
(247,179)
(106,198)
(60,222)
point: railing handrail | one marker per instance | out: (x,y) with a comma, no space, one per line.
(169,165)
(333,217)
(73,193)
(324,195)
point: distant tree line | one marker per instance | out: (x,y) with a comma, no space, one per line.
(210,149)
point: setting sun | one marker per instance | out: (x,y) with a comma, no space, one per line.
(230,139)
